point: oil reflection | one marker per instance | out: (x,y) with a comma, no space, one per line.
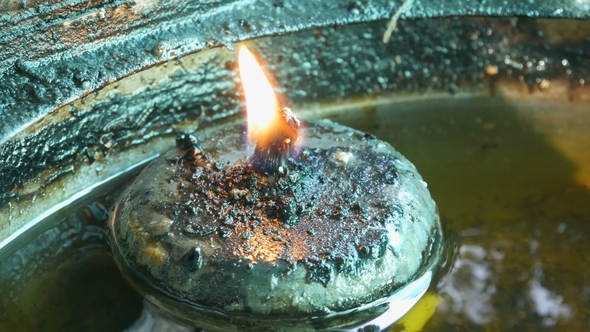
(546,303)
(469,287)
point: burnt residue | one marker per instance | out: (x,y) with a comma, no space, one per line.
(328,212)
(240,202)
(435,55)
(277,144)
(186,141)
(192,260)
(116,123)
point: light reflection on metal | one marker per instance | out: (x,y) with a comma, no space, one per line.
(399,303)
(75,197)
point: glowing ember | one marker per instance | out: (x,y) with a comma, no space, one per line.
(260,98)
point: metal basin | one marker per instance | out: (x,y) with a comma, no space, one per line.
(81,108)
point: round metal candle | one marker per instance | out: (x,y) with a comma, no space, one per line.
(210,240)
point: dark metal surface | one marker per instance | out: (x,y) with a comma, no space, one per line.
(52,52)
(314,65)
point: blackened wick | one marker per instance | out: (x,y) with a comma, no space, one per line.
(276,144)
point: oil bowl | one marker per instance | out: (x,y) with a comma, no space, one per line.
(349,234)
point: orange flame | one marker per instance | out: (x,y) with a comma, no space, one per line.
(261,102)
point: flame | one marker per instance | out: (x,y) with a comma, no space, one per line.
(260,98)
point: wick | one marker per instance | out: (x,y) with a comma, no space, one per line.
(276,144)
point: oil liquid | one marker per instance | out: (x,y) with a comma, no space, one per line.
(512,180)
(59,275)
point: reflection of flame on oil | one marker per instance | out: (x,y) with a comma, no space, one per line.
(547,304)
(470,288)
(266,247)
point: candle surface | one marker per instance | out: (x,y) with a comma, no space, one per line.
(351,223)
